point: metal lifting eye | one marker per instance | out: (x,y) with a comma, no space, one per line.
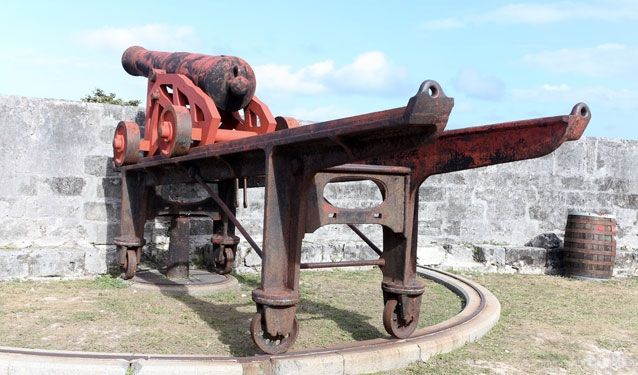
(430,87)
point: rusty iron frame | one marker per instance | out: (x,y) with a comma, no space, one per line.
(398,150)
(288,159)
(454,150)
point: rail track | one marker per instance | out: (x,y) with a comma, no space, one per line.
(481,311)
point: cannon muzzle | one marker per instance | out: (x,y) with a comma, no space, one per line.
(228,80)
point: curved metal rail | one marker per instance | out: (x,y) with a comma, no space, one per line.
(481,311)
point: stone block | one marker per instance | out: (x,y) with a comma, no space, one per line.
(570,159)
(109,187)
(613,185)
(509,205)
(312,252)
(56,263)
(617,157)
(626,264)
(573,183)
(252,259)
(545,241)
(27,186)
(201,226)
(99,165)
(101,211)
(100,233)
(385,359)
(17,185)
(31,365)
(490,254)
(452,228)
(431,193)
(68,186)
(525,258)
(12,207)
(430,255)
(321,364)
(55,207)
(160,367)
(430,227)
(459,252)
(16,232)
(455,178)
(13,264)
(99,259)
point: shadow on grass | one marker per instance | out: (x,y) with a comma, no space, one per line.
(232,324)
(349,321)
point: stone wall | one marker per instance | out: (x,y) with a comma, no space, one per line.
(59,201)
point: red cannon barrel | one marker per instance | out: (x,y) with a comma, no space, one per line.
(228,80)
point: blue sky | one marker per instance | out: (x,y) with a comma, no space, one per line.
(500,60)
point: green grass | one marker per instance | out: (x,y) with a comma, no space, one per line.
(105,314)
(551,325)
(109,282)
(548,324)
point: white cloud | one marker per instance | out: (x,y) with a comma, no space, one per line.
(153,36)
(478,85)
(370,72)
(536,14)
(605,96)
(281,78)
(602,60)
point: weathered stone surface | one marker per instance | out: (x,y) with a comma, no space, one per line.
(101,211)
(66,185)
(546,241)
(99,165)
(626,263)
(324,364)
(99,259)
(430,255)
(527,259)
(56,263)
(72,201)
(110,187)
(13,264)
(490,254)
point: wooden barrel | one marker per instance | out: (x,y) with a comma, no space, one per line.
(590,245)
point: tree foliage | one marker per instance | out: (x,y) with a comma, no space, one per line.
(99,96)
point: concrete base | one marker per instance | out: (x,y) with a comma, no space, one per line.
(199,283)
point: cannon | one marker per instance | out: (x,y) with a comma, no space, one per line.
(397,149)
(192,100)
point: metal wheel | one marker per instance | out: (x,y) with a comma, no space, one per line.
(271,344)
(131,263)
(175,130)
(229,260)
(126,143)
(394,324)
(223,259)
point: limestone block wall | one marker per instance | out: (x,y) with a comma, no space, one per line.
(60,198)
(59,195)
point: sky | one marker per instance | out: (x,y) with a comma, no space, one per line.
(320,60)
